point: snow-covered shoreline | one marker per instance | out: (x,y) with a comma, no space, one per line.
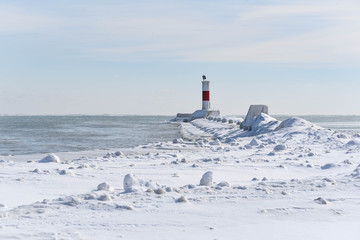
(281,180)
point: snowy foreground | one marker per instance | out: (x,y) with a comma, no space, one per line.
(289,180)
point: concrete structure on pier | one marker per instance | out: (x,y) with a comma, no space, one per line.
(253,112)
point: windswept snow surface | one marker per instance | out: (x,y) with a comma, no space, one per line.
(281,180)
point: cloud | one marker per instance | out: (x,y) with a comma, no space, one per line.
(277,32)
(17,20)
(328,46)
(320,32)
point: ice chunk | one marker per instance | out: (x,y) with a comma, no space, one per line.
(349,162)
(279,147)
(104,197)
(321,200)
(50,158)
(104,186)
(130,182)
(89,196)
(223,184)
(328,166)
(207,179)
(118,153)
(65,172)
(254,142)
(159,191)
(341,135)
(125,207)
(178,140)
(182,199)
(356,173)
(353,143)
(72,201)
(216,142)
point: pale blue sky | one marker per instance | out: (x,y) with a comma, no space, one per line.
(147,57)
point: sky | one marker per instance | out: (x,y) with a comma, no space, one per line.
(148,57)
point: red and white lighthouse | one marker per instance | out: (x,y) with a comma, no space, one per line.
(205,111)
(205,93)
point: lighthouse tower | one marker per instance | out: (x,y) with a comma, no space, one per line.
(205,111)
(205,93)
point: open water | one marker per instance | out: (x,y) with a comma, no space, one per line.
(45,134)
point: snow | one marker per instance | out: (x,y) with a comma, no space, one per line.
(131,183)
(280,147)
(253,112)
(199,114)
(50,158)
(182,199)
(281,180)
(206,179)
(104,187)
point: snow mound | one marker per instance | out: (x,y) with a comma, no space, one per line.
(254,142)
(131,183)
(66,172)
(353,143)
(341,136)
(50,158)
(216,142)
(159,191)
(118,153)
(279,148)
(178,140)
(104,197)
(356,173)
(294,122)
(36,170)
(125,207)
(207,179)
(223,184)
(71,201)
(328,166)
(181,199)
(263,123)
(104,186)
(321,200)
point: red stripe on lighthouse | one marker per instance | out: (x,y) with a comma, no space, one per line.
(206,95)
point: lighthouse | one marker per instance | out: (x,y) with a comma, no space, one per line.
(205,111)
(205,93)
